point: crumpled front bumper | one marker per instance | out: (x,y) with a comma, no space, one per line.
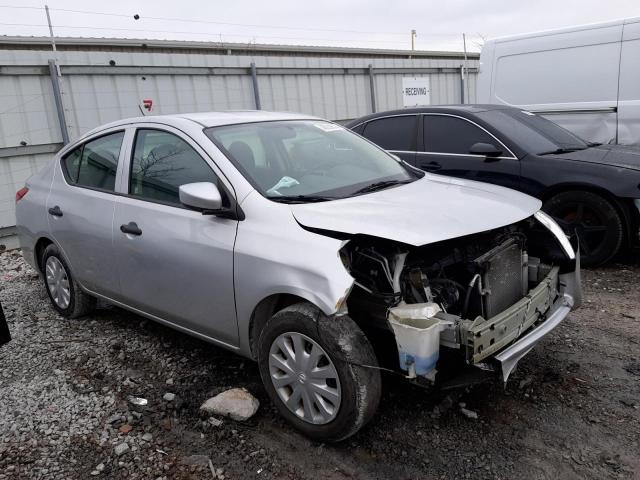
(570,298)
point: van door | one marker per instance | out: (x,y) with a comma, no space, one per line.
(569,76)
(629,99)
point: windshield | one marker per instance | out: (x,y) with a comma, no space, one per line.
(533,133)
(308,160)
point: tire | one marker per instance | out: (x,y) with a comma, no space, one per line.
(345,348)
(594,219)
(64,292)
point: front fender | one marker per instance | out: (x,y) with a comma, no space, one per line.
(274,255)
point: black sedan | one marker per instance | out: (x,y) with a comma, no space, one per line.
(592,190)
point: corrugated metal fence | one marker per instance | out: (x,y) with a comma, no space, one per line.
(102,86)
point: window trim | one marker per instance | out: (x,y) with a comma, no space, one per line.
(414,141)
(501,157)
(65,173)
(221,186)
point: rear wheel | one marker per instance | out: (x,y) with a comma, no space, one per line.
(313,369)
(594,220)
(64,292)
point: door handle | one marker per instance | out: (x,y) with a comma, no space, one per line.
(131,228)
(55,211)
(431,166)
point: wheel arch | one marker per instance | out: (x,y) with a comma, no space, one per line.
(621,208)
(264,310)
(42,243)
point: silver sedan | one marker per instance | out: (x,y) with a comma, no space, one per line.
(295,242)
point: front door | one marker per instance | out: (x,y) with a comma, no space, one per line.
(173,262)
(445,149)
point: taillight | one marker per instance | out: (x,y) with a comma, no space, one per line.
(21,193)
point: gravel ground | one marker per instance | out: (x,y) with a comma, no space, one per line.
(571,410)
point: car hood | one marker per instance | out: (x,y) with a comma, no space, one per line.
(431,209)
(625,156)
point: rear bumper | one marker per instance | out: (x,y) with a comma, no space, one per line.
(509,357)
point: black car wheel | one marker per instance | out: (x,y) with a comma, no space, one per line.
(594,220)
(319,371)
(64,292)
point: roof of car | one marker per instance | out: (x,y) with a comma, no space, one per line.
(210,119)
(462,108)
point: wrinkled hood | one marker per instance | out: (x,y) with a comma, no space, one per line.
(625,156)
(429,210)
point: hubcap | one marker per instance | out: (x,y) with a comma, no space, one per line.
(305,378)
(58,282)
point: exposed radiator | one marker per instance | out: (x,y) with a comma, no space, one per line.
(504,275)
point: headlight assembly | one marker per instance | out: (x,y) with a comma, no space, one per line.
(554,228)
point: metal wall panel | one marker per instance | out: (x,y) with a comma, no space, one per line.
(98,92)
(14,171)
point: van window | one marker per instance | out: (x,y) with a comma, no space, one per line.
(393,133)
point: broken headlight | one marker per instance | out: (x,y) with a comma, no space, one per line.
(554,228)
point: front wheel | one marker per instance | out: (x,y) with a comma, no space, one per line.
(319,371)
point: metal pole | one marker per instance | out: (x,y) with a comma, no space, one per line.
(57,95)
(53,39)
(461,84)
(413,39)
(256,92)
(466,65)
(373,89)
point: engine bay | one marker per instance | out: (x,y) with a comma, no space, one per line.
(480,288)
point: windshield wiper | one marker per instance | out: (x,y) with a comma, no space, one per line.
(558,151)
(375,186)
(301,198)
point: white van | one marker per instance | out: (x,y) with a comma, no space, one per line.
(585,78)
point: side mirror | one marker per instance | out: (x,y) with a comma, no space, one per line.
(485,149)
(203,196)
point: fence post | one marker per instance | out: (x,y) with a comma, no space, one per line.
(462,72)
(55,82)
(372,88)
(256,91)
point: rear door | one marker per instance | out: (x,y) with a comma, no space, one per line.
(178,263)
(445,149)
(397,134)
(80,209)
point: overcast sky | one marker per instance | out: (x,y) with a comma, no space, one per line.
(351,23)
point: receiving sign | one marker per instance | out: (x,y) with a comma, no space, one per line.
(416,91)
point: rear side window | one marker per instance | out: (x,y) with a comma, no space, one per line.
(95,163)
(443,134)
(161,163)
(393,133)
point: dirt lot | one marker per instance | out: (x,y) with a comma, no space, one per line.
(571,410)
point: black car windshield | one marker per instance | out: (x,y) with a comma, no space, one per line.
(532,132)
(308,160)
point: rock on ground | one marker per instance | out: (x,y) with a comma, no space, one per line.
(236,403)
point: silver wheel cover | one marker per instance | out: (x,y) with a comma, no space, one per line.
(305,378)
(57,282)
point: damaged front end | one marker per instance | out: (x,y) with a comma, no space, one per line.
(482,300)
